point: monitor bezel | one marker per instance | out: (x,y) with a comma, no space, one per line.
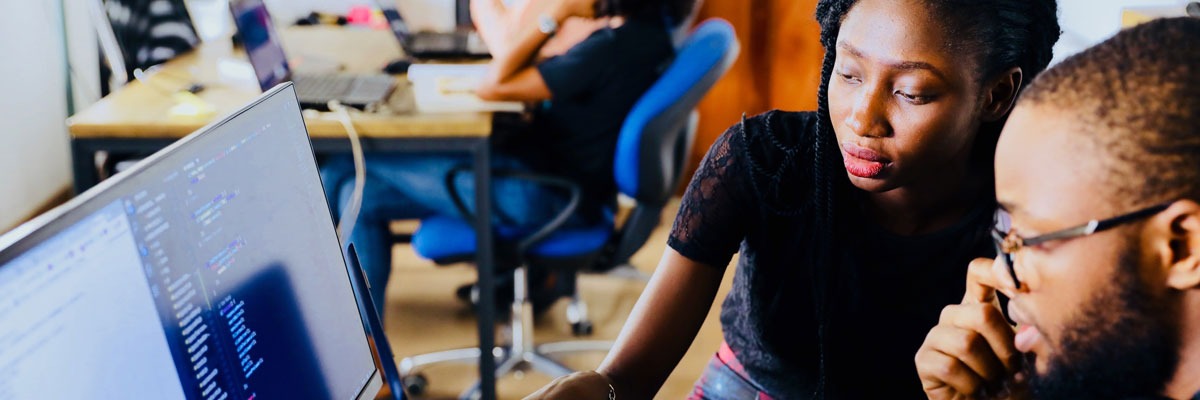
(30,234)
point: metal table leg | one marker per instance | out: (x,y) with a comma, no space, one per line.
(83,165)
(485,266)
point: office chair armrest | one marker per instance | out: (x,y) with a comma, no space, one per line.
(455,196)
(573,190)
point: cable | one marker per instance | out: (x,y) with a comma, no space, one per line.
(350,211)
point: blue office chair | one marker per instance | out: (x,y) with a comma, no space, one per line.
(652,148)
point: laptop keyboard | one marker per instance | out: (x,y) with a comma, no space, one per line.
(356,90)
(323,86)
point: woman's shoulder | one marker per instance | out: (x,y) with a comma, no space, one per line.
(784,129)
(776,149)
(771,132)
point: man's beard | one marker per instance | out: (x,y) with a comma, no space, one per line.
(1124,343)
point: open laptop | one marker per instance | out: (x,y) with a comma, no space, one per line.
(211,270)
(428,45)
(270,64)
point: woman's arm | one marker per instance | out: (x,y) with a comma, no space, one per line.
(713,219)
(662,325)
(658,332)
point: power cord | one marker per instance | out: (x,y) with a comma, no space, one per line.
(350,211)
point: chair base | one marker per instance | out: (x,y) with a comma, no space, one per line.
(539,359)
(520,355)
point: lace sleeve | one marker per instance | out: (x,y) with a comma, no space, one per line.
(718,205)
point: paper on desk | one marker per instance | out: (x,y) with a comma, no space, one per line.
(451,88)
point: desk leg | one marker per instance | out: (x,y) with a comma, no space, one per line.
(486,268)
(83,166)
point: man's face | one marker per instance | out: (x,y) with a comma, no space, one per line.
(1087,320)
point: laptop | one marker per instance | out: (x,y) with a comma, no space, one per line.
(270,64)
(431,45)
(211,270)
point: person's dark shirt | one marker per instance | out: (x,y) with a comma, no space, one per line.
(898,288)
(593,86)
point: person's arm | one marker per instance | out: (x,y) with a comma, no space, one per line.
(662,325)
(495,22)
(512,75)
(717,211)
(658,332)
(499,26)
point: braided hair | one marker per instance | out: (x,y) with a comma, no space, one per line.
(1001,34)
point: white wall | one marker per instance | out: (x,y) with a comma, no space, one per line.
(1087,22)
(34,162)
(211,17)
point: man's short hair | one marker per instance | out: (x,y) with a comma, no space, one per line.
(1137,95)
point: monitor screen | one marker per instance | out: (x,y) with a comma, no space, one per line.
(210,271)
(261,41)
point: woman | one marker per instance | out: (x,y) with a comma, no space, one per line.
(855,223)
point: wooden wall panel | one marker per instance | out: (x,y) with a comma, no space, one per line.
(779,65)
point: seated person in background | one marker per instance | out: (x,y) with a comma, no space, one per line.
(854,223)
(590,88)
(499,21)
(1109,311)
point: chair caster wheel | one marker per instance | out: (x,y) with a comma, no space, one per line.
(415,385)
(582,328)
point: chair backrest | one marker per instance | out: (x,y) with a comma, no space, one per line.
(137,34)
(658,132)
(647,162)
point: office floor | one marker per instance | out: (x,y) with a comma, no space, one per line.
(424,316)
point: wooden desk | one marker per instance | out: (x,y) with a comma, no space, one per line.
(142,109)
(137,119)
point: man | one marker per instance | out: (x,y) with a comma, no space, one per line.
(1103,309)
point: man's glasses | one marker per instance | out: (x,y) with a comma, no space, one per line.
(1008,243)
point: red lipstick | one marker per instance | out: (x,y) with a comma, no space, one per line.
(862,162)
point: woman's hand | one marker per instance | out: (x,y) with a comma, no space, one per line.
(586,385)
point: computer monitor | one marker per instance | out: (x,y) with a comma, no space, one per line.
(211,270)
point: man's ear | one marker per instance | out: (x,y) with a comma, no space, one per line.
(1002,94)
(1177,243)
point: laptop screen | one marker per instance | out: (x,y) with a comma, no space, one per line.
(395,21)
(210,271)
(261,41)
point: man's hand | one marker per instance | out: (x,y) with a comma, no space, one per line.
(587,385)
(972,346)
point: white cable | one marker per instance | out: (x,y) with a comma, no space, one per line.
(351,209)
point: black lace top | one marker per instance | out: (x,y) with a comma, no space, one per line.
(751,191)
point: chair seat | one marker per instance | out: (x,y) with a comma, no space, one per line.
(442,237)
